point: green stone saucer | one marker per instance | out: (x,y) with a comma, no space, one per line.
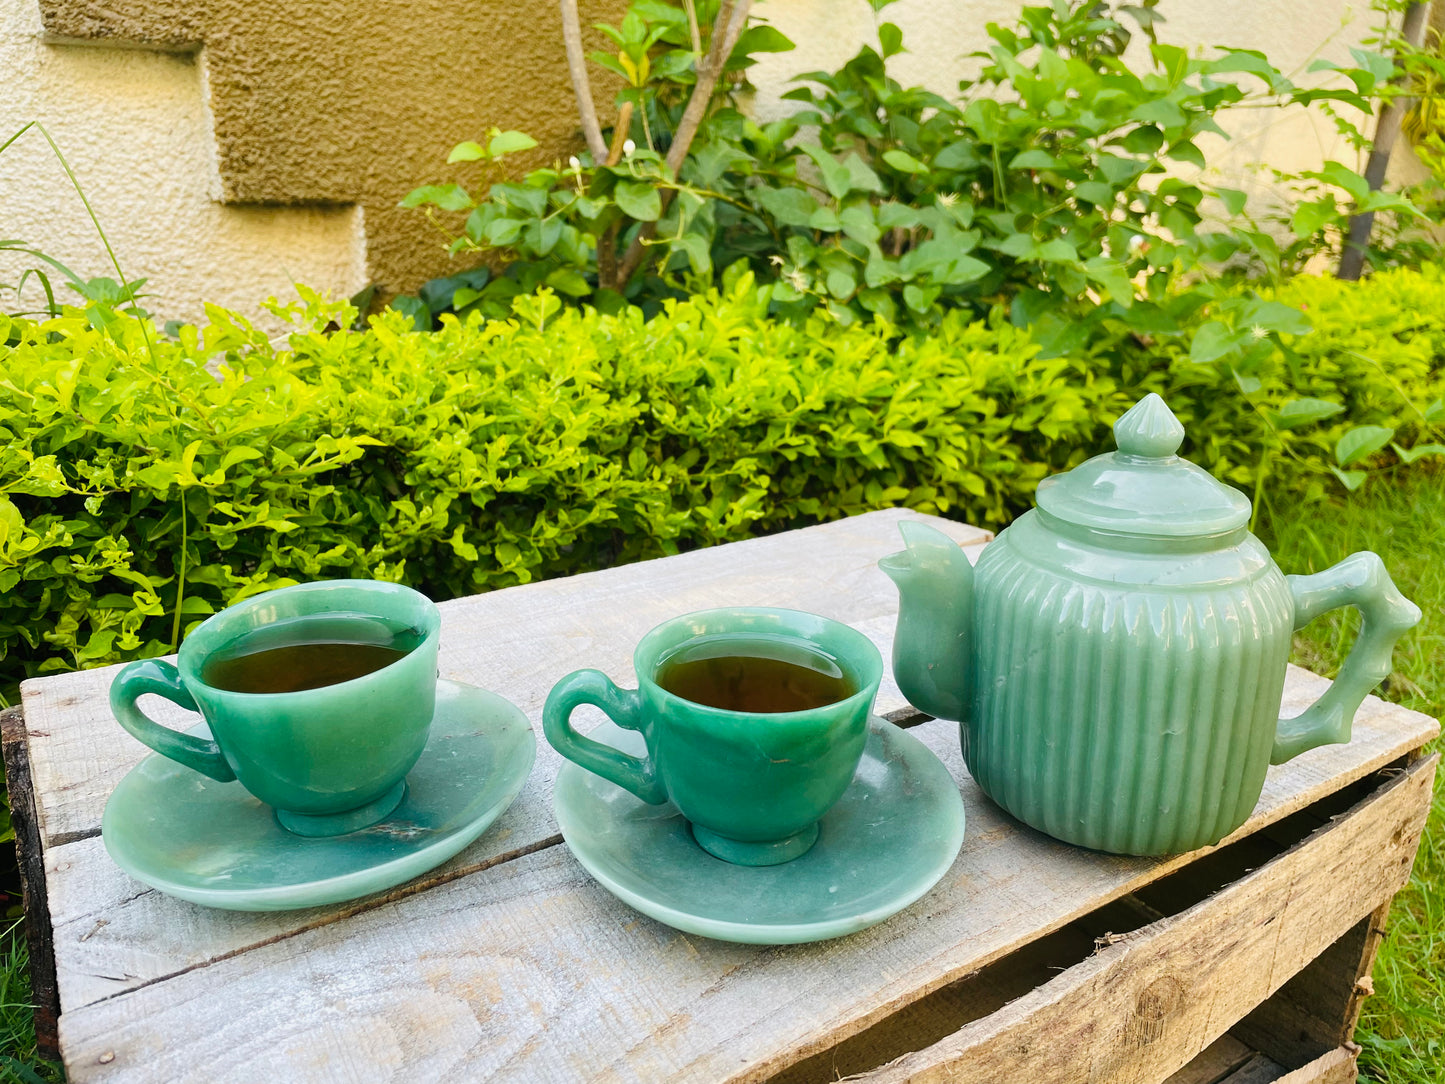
(214,844)
(890,838)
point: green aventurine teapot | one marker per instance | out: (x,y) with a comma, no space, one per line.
(1117,659)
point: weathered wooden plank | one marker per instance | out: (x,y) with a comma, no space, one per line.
(1214,1063)
(516,642)
(38,933)
(1336,1067)
(112,934)
(531,971)
(1143,1006)
(1316,1011)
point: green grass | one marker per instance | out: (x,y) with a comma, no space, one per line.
(1403,1026)
(19,1061)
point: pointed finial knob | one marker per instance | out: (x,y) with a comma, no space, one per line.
(1149,429)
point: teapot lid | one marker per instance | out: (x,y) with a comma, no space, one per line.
(1145,488)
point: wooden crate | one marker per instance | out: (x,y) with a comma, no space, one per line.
(1031,961)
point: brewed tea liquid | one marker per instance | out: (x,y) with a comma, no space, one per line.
(753,676)
(308,653)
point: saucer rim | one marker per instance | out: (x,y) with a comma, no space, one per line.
(790,933)
(342,887)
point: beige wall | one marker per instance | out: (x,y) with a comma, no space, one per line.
(133,125)
(231,146)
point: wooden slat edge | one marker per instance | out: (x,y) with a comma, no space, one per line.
(1127,1016)
(1336,1067)
(30,857)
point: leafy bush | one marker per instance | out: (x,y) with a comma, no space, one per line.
(1044,186)
(139,492)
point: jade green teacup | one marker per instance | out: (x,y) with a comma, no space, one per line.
(753,784)
(330,759)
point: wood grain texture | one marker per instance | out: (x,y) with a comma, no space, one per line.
(39,936)
(1214,1063)
(529,970)
(1336,1067)
(1316,1011)
(516,642)
(113,934)
(1143,1006)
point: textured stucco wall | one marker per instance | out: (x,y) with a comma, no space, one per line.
(308,122)
(133,125)
(354,101)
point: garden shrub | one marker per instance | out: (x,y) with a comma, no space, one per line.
(139,493)
(146,482)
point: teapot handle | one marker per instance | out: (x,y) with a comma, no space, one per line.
(1360,580)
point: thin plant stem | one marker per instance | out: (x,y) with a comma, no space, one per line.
(581,86)
(180,581)
(732,16)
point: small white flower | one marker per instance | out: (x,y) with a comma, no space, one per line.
(1258,333)
(1137,242)
(628,146)
(947,199)
(575,162)
(776,260)
(798,280)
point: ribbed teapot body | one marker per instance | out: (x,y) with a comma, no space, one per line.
(1126,692)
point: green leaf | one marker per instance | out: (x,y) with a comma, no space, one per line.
(1213,341)
(448,197)
(920,298)
(1409,455)
(1233,199)
(825,219)
(904,162)
(858,223)
(892,216)
(1435,411)
(1352,479)
(1248,61)
(1313,215)
(841,284)
(861,177)
(1342,176)
(762,38)
(570,281)
(1096,192)
(1361,442)
(638,200)
(837,179)
(1056,251)
(1160,111)
(509,143)
(790,206)
(470,151)
(1033,159)
(699,252)
(1305,411)
(891,39)
(1277,317)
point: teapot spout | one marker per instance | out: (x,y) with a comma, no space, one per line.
(933,646)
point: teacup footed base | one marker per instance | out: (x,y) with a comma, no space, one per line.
(767,853)
(320,825)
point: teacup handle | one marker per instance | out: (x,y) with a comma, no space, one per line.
(1360,580)
(163,679)
(623,707)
